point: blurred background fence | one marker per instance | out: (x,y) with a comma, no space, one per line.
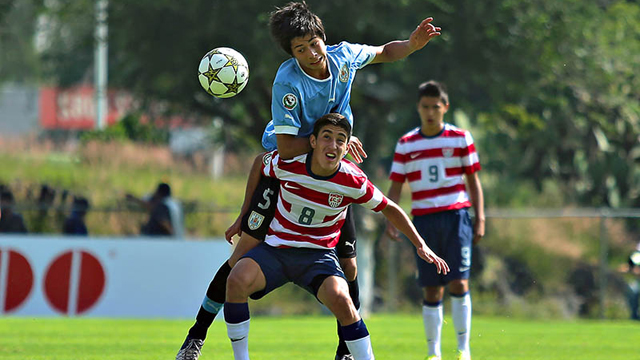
(540,263)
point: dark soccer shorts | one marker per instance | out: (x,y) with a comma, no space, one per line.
(263,207)
(302,266)
(450,235)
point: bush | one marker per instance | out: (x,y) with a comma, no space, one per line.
(131,127)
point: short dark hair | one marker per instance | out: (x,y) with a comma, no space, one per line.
(163,190)
(294,20)
(434,88)
(7,196)
(334,119)
(80,204)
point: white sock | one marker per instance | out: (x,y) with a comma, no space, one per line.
(432,318)
(361,348)
(461,313)
(239,336)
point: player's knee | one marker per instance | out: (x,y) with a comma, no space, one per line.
(340,301)
(237,284)
(459,286)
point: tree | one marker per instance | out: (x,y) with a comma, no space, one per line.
(551,93)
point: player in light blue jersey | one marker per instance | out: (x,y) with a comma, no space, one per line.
(298,98)
(314,82)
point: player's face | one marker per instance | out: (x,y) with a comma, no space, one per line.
(431,110)
(311,53)
(328,149)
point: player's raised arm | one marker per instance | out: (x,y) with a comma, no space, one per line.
(400,220)
(400,49)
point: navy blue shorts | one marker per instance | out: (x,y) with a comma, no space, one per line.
(304,267)
(450,235)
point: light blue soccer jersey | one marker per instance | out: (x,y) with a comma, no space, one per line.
(298,100)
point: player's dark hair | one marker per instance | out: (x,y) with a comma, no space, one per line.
(334,119)
(294,20)
(163,190)
(433,88)
(80,204)
(7,196)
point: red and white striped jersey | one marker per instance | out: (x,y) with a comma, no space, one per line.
(434,167)
(311,209)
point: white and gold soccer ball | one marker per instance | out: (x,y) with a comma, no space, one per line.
(223,72)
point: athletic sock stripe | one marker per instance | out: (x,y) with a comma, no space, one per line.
(459,295)
(432,304)
(211,306)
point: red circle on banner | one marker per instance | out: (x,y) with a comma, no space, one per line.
(19,280)
(89,280)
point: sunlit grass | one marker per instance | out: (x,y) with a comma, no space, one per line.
(310,338)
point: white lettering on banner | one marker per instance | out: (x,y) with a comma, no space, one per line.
(106,277)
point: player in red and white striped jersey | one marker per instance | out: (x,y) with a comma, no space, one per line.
(440,163)
(310,213)
(315,191)
(434,167)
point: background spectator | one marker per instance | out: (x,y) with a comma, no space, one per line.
(165,213)
(75,223)
(10,222)
(632,270)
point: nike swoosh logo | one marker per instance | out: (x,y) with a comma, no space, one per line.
(290,187)
(463,268)
(414,155)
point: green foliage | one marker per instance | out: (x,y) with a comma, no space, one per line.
(18,58)
(130,127)
(551,93)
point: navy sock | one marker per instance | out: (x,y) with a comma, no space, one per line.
(235,313)
(355,331)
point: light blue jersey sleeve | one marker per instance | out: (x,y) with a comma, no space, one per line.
(361,55)
(285,110)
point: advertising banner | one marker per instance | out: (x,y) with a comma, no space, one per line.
(106,277)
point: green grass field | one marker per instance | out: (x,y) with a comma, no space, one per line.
(309,338)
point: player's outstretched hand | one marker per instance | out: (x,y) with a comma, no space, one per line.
(234,229)
(355,149)
(429,256)
(423,34)
(392,232)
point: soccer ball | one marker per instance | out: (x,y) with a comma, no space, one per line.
(223,72)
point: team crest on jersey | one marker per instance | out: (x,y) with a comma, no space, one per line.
(447,152)
(289,101)
(266,159)
(255,220)
(344,73)
(335,200)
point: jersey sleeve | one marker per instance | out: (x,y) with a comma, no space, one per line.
(398,172)
(371,197)
(469,156)
(285,109)
(270,164)
(362,55)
